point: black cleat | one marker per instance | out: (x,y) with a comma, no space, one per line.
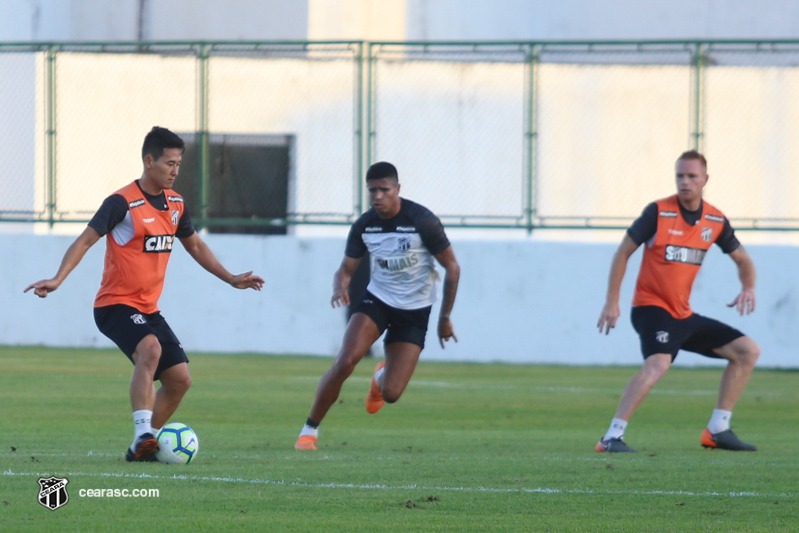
(146,446)
(616,445)
(725,440)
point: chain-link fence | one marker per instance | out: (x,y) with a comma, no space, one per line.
(512,135)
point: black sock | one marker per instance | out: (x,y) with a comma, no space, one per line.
(311,424)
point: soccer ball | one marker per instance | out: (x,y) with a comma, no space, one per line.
(177,444)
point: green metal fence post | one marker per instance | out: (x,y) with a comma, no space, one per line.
(371,92)
(50,133)
(205,171)
(361,128)
(531,138)
(698,96)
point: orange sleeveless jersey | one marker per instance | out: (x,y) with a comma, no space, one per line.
(134,272)
(673,256)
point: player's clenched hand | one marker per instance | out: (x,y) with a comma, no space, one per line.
(247,281)
(607,319)
(445,331)
(340,297)
(744,302)
(43,288)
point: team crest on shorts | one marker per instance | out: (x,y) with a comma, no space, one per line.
(662,337)
(175,217)
(53,493)
(707,234)
(138,319)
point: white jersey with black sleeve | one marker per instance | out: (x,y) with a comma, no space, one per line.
(404,274)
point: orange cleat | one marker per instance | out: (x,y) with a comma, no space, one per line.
(616,445)
(725,440)
(146,446)
(305,442)
(374,399)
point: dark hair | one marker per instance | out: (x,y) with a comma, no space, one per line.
(158,140)
(381,170)
(694,155)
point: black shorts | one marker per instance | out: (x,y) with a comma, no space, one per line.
(662,333)
(126,326)
(404,325)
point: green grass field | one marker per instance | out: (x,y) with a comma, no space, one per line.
(468,448)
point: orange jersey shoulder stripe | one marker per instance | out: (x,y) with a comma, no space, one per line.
(136,260)
(672,258)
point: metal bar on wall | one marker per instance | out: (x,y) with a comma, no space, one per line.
(51,133)
(361,126)
(697,97)
(371,91)
(202,134)
(531,138)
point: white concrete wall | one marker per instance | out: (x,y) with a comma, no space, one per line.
(162,20)
(600,19)
(85,20)
(519,301)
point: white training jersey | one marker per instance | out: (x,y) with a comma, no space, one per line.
(404,274)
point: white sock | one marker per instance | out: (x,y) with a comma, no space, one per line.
(309,431)
(719,421)
(141,424)
(616,429)
(378,374)
(156,431)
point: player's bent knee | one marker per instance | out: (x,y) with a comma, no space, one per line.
(176,382)
(390,395)
(342,368)
(752,353)
(745,351)
(183,384)
(655,366)
(147,351)
(391,398)
(148,358)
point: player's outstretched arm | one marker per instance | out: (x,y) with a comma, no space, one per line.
(451,277)
(746,300)
(342,279)
(72,257)
(206,258)
(618,266)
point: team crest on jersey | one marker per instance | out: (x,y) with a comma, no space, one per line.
(662,337)
(53,492)
(707,234)
(404,243)
(175,216)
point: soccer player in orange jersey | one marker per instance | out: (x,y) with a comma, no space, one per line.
(141,222)
(678,231)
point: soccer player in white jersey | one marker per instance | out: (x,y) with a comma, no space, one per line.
(404,239)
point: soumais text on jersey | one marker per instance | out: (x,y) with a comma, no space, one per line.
(398,264)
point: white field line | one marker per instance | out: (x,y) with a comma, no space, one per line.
(565,390)
(357,486)
(297,456)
